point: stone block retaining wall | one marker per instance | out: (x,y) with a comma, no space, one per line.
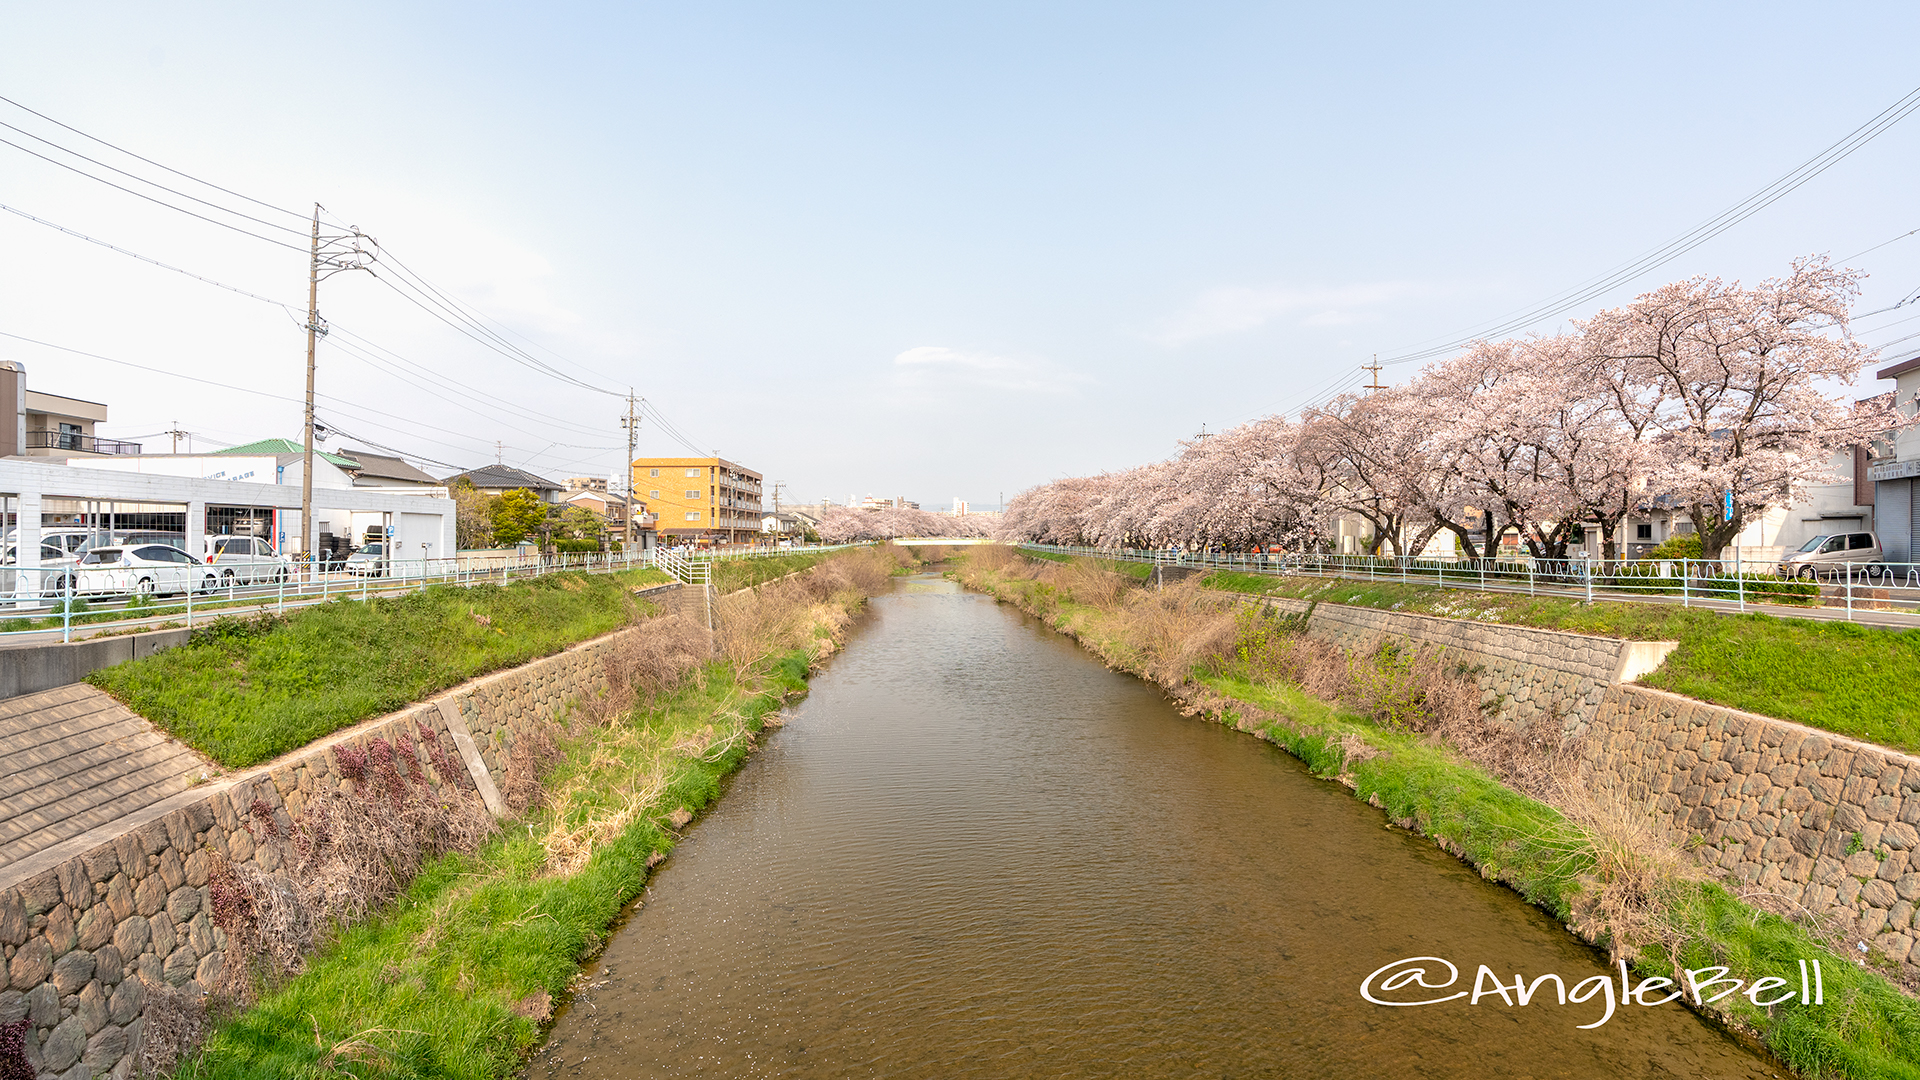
(1817,821)
(84,936)
(1524,673)
(1822,822)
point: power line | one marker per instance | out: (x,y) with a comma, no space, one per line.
(155,164)
(366,347)
(344,405)
(151,199)
(475,319)
(143,258)
(1880,245)
(336,328)
(1687,241)
(144,180)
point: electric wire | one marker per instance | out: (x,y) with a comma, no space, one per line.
(461,317)
(151,199)
(143,180)
(1685,242)
(344,405)
(150,161)
(423,371)
(143,258)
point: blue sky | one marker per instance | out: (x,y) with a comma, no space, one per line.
(908,249)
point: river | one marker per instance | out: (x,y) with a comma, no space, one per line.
(975,852)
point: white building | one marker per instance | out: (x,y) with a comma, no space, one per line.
(1895,471)
(39,495)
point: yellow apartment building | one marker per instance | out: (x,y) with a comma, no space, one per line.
(700,497)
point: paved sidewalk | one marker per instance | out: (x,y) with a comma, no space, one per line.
(73,759)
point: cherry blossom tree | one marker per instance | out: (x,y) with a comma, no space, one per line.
(1727,381)
(1698,392)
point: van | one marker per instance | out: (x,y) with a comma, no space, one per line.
(1828,554)
(246,560)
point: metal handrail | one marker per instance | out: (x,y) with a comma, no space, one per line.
(1885,589)
(29,594)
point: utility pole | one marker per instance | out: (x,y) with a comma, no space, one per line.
(177,436)
(1375,368)
(631,422)
(327,259)
(307,535)
(499,451)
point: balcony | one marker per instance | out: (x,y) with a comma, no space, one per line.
(73,443)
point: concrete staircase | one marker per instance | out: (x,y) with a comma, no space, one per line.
(73,759)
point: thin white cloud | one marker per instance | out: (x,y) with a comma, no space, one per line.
(1238,309)
(940,367)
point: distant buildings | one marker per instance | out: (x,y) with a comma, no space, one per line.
(700,498)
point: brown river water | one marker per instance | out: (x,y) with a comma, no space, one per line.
(975,852)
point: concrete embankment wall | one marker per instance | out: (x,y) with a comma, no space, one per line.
(88,926)
(1778,811)
(29,669)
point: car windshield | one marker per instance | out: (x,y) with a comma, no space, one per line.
(101,555)
(1813,544)
(371,549)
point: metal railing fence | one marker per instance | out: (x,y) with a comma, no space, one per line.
(1860,590)
(51,602)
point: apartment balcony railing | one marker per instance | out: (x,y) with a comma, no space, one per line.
(78,444)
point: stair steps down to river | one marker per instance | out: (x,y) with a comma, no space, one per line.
(73,759)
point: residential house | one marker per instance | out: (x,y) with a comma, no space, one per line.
(388,471)
(611,508)
(50,425)
(500,479)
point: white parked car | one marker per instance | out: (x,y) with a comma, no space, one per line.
(149,570)
(246,560)
(55,566)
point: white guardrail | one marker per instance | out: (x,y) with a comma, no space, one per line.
(49,603)
(1876,592)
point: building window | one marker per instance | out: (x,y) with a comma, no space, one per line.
(653,494)
(1643,531)
(693,472)
(693,515)
(692,494)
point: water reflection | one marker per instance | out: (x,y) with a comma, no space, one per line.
(973,851)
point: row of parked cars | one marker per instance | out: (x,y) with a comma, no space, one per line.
(153,564)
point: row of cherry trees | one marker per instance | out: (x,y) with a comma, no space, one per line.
(847,525)
(1692,391)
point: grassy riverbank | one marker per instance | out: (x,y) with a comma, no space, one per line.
(244,690)
(457,979)
(1842,677)
(457,976)
(1591,865)
(732,575)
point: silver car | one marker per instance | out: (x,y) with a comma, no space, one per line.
(1827,555)
(246,560)
(369,561)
